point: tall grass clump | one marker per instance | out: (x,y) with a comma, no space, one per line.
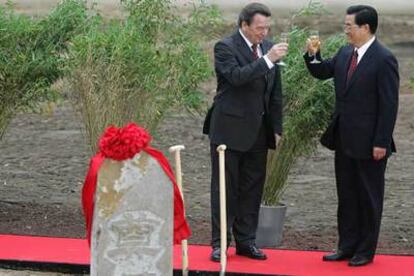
(137,68)
(31,56)
(308,105)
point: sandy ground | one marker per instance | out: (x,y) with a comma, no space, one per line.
(43,160)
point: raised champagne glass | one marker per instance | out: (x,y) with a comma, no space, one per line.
(284,38)
(315,43)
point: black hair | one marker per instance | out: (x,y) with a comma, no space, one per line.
(364,15)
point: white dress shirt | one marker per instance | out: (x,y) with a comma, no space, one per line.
(363,49)
(259,50)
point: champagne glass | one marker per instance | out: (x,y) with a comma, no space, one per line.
(315,42)
(284,38)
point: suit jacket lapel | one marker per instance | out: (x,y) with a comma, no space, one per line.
(362,64)
(265,48)
(344,73)
(243,47)
(248,54)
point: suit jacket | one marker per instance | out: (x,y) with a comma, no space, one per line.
(248,92)
(366,106)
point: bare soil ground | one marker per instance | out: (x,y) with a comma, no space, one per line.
(43,160)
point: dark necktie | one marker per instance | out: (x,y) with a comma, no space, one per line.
(255,54)
(352,66)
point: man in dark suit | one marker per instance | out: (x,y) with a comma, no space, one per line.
(247,117)
(366,85)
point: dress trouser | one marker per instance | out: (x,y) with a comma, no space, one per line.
(245,177)
(360,189)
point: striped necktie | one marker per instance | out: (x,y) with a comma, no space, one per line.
(352,66)
(255,54)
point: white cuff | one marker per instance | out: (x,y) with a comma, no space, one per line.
(268,62)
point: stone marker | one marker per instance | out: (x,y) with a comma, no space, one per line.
(132,228)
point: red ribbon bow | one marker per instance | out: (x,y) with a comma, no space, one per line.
(121,144)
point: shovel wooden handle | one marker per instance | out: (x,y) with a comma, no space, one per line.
(223,209)
(178,175)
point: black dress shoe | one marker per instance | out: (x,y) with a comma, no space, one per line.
(360,261)
(338,256)
(215,254)
(251,252)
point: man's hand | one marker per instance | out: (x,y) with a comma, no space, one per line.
(312,48)
(277,139)
(277,52)
(378,153)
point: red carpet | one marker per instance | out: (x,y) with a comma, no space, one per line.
(280,262)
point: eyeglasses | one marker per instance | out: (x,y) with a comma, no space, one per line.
(348,27)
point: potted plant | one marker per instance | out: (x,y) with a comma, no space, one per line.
(308,104)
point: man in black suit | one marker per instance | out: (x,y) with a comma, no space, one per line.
(247,117)
(366,85)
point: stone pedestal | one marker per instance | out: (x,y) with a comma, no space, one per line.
(133,219)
